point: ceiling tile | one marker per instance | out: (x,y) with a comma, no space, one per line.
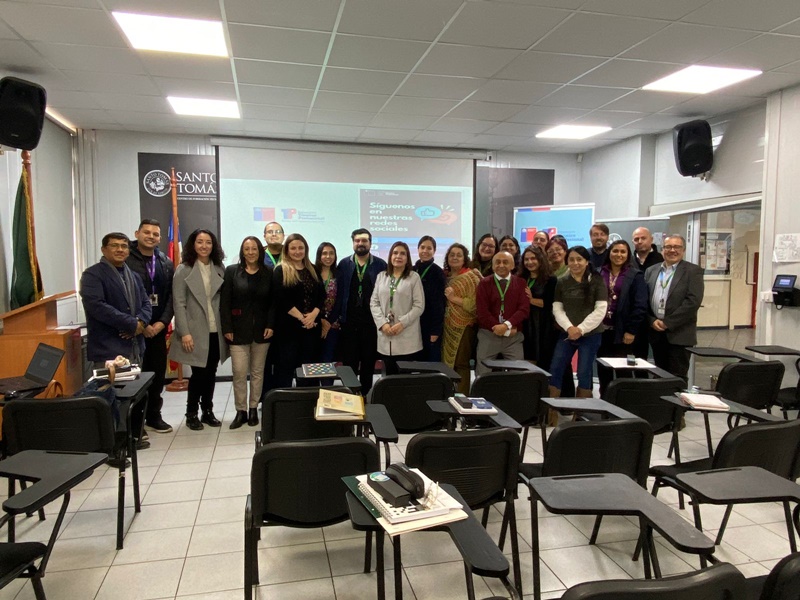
(120,83)
(547,115)
(348,101)
(271,43)
(188,9)
(688,44)
(469,61)
(708,106)
(653,9)
(409,19)
(660,122)
(193,88)
(402,121)
(609,118)
(406,105)
(375,53)
(501,25)
(340,117)
(162,64)
(486,111)
(764,84)
(495,142)
(439,86)
(549,68)
(627,73)
(72,3)
(92,58)
(377,133)
(370,82)
(579,96)
(69,99)
(462,125)
(18,56)
(317,15)
(443,137)
(274,73)
(272,127)
(579,34)
(792,28)
(765,52)
(6,33)
(745,14)
(60,24)
(570,4)
(340,131)
(87,115)
(111,101)
(277,96)
(49,79)
(514,129)
(517,92)
(273,113)
(647,101)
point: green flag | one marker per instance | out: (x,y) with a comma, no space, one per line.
(26,280)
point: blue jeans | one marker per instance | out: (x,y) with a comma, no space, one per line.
(586,347)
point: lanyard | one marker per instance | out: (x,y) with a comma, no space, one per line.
(328,280)
(502,295)
(661,282)
(393,283)
(531,283)
(151,267)
(360,271)
(272,259)
(425,272)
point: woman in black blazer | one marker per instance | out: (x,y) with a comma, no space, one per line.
(539,339)
(247,315)
(627,307)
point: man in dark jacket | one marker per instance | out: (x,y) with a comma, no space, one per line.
(646,255)
(116,305)
(156,271)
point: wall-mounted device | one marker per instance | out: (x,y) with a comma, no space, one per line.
(784,292)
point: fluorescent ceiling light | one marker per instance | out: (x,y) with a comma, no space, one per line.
(573,132)
(170,34)
(200,107)
(701,80)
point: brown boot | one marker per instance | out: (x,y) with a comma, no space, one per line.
(583,393)
(552,415)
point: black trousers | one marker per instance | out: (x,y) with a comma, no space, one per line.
(390,362)
(360,351)
(672,357)
(155,360)
(297,346)
(203,379)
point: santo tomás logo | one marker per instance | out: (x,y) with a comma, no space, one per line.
(157,183)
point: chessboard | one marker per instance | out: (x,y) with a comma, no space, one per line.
(319,370)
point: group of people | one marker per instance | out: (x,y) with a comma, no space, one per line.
(275,309)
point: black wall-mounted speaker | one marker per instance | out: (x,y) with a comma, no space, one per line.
(692,145)
(22,106)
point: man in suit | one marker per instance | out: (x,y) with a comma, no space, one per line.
(502,306)
(675,290)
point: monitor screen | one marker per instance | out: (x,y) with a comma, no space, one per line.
(784,282)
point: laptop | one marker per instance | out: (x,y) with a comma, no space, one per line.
(40,371)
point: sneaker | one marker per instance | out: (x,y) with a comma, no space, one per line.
(142,444)
(144,436)
(193,423)
(158,426)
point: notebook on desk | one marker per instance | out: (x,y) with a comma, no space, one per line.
(41,368)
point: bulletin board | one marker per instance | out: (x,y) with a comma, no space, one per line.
(715,251)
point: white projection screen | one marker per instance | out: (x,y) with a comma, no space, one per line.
(325,196)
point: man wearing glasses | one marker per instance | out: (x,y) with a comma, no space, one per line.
(676,291)
(116,305)
(273,236)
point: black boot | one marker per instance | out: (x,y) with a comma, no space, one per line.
(209,419)
(253,418)
(193,423)
(240,419)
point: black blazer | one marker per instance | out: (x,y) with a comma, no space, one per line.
(539,340)
(293,296)
(243,313)
(631,308)
(685,297)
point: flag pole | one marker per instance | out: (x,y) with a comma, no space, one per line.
(38,290)
(180,384)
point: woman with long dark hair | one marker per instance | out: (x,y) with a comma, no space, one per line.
(460,312)
(300,298)
(247,317)
(196,290)
(541,287)
(485,250)
(579,306)
(433,284)
(508,243)
(325,264)
(627,306)
(397,304)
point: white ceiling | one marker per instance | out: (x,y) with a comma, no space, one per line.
(453,73)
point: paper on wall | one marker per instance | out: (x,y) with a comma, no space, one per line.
(787,248)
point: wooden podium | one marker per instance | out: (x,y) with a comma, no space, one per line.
(25,328)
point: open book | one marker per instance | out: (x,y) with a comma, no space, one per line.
(704,401)
(414,517)
(338,406)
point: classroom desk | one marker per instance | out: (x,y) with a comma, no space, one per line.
(712,352)
(589,405)
(501,419)
(501,364)
(613,494)
(416,366)
(344,374)
(481,555)
(653,370)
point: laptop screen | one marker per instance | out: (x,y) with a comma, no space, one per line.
(44,363)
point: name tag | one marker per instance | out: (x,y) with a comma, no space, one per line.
(153,299)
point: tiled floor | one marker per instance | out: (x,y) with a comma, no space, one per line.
(188,541)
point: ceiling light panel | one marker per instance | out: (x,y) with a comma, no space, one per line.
(172,34)
(200,107)
(573,132)
(701,80)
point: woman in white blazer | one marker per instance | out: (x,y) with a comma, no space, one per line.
(197,340)
(397,303)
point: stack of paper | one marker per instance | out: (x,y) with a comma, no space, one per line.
(339,406)
(704,401)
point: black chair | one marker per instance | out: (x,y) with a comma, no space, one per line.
(66,424)
(642,397)
(288,415)
(718,582)
(789,398)
(481,464)
(584,447)
(772,446)
(782,583)
(518,394)
(299,484)
(754,384)
(405,398)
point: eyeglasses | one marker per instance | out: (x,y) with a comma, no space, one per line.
(117,246)
(488,246)
(673,247)
(274,231)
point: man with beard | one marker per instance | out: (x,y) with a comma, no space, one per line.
(599,235)
(273,236)
(356,280)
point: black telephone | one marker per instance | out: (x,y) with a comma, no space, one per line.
(407,479)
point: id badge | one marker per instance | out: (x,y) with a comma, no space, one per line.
(153,299)
(390,318)
(662,304)
(501,318)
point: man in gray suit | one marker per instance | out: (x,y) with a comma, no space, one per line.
(675,290)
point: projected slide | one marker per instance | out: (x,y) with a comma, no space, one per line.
(327,211)
(573,221)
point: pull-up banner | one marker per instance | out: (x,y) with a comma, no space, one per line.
(198,192)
